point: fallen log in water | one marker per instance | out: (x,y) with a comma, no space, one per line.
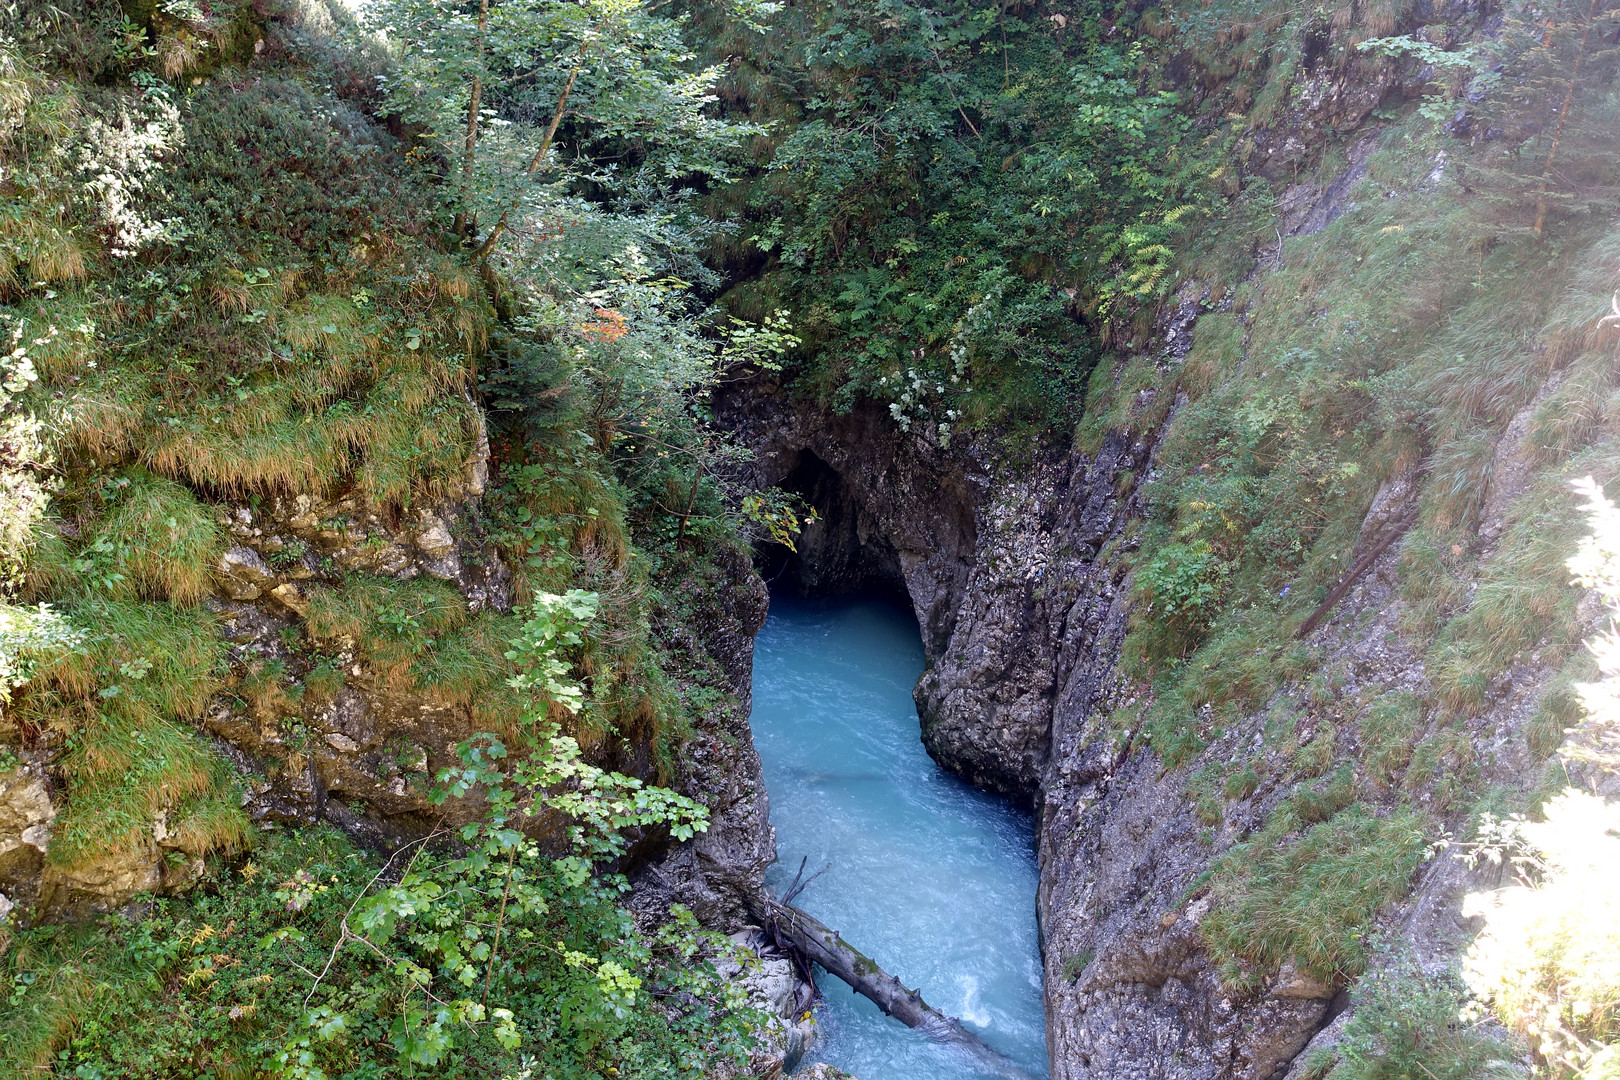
(809,939)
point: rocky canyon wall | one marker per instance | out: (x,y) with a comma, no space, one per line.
(1019,574)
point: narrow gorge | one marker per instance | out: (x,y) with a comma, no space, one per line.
(1098,504)
(927,876)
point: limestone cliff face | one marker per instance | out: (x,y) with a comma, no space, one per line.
(1016,576)
(999,562)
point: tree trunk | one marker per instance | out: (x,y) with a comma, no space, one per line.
(535,162)
(470,144)
(691,501)
(795,931)
(1393,532)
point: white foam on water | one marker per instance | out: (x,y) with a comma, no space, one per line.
(970,1011)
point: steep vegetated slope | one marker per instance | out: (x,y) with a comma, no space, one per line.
(1210,376)
(1213,378)
(353,454)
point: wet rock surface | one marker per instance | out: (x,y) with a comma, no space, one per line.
(26,814)
(772,985)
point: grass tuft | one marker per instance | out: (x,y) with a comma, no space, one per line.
(1559,709)
(167,543)
(1309,898)
(1388,731)
(123,702)
(417,637)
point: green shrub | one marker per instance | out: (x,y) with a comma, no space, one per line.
(210,984)
(558,967)
(937,248)
(1179,591)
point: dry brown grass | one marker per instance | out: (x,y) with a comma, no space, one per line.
(54,254)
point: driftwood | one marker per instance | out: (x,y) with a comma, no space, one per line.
(810,941)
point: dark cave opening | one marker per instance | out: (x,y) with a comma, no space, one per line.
(843,551)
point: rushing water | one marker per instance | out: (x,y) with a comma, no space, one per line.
(929,877)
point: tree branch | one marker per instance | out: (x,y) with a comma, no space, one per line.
(535,162)
(1563,118)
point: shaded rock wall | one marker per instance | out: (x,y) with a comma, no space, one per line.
(717,871)
(887,503)
(999,564)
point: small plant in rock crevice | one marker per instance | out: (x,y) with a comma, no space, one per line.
(1408,1022)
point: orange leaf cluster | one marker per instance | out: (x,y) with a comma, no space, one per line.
(609,326)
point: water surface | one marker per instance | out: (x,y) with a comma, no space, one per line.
(929,877)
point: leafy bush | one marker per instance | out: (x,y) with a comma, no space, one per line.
(482,953)
(235,287)
(215,982)
(1181,586)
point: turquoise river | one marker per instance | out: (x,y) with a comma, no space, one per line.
(928,876)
